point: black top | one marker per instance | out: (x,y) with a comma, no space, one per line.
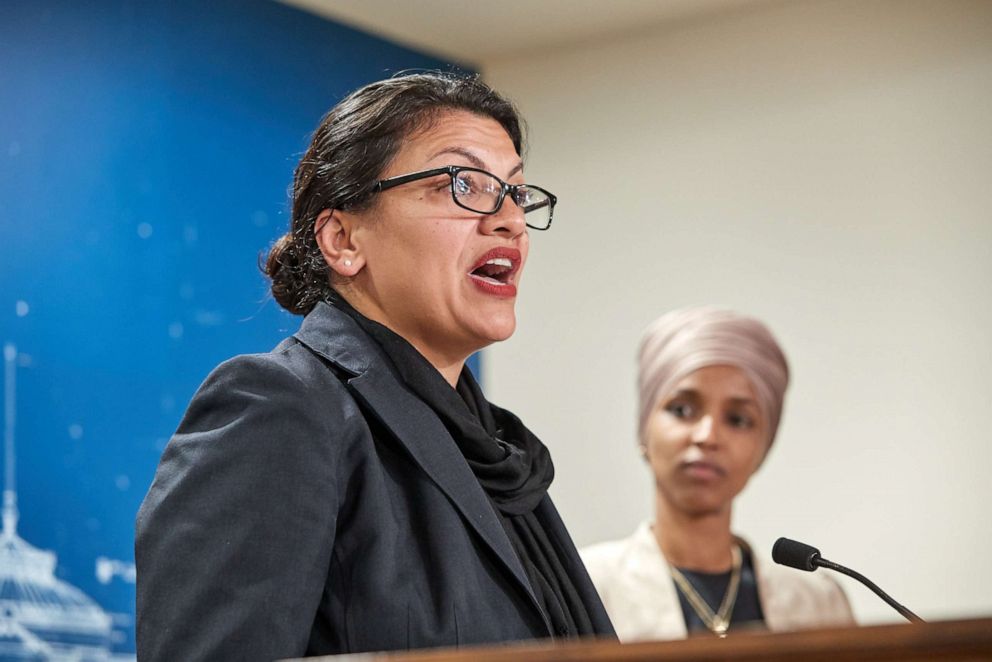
(746,614)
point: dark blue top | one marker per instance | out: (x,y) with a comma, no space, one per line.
(713,586)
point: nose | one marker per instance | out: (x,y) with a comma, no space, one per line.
(507,221)
(704,432)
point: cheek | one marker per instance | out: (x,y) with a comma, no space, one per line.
(447,247)
(423,251)
(662,435)
(759,455)
(750,452)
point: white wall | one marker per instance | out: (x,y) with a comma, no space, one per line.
(826,166)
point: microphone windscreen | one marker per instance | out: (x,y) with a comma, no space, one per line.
(795,554)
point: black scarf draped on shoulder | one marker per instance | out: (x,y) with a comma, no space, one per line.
(511,464)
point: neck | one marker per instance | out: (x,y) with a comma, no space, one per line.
(451,370)
(449,364)
(700,542)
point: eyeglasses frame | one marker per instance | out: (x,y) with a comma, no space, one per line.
(453,170)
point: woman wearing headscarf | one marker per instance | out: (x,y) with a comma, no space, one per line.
(353,489)
(711,388)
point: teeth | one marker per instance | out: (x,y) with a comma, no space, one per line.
(500,262)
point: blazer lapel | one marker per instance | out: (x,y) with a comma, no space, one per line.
(336,337)
(430,444)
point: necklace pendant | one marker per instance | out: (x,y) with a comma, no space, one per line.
(720,629)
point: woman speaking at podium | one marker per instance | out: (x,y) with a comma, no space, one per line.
(353,489)
(711,387)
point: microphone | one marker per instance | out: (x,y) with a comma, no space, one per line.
(801,556)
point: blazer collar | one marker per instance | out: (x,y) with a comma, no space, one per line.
(336,337)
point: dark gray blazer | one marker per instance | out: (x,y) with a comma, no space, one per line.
(309,503)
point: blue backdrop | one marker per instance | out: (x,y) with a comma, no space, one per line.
(146,149)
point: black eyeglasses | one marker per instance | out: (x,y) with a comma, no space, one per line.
(483,193)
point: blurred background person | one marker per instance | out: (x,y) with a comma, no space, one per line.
(353,489)
(711,388)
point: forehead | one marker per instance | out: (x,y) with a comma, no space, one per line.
(450,137)
(718,381)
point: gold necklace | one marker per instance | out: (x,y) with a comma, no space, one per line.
(719,622)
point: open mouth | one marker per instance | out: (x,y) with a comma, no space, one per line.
(494,271)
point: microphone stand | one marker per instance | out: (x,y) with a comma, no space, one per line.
(910,616)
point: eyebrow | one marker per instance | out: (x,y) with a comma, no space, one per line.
(744,401)
(693,393)
(475,160)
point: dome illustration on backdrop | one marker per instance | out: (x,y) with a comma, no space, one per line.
(41,616)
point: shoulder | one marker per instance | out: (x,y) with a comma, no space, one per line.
(262,427)
(619,566)
(288,381)
(607,557)
(793,599)
(290,365)
(636,587)
(284,408)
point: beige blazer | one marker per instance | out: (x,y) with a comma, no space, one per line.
(634,581)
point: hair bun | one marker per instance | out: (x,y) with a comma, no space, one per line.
(283,266)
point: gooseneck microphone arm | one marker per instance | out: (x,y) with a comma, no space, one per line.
(910,616)
(806,557)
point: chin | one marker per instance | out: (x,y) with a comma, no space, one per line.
(497,326)
(503,329)
(704,509)
(702,505)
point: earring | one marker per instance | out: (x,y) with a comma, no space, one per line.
(347,263)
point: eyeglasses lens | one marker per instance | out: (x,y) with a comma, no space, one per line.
(536,205)
(480,192)
(476,191)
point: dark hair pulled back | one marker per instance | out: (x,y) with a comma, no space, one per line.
(353,145)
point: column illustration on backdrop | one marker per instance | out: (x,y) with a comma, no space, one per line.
(41,616)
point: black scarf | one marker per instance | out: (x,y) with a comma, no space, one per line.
(511,464)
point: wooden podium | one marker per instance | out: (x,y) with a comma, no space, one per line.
(948,640)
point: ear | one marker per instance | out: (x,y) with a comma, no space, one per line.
(334,231)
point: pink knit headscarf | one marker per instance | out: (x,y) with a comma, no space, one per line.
(683,341)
